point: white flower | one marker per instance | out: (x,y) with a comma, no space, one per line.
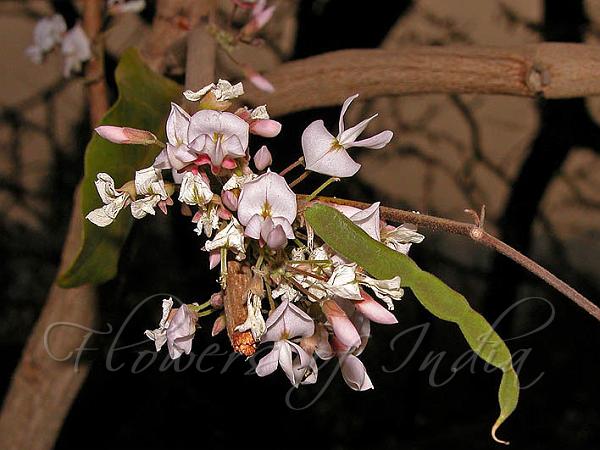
(150,189)
(219,135)
(47,33)
(208,220)
(401,238)
(326,154)
(230,237)
(222,91)
(260,112)
(159,335)
(176,154)
(343,282)
(238,181)
(267,207)
(114,201)
(255,321)
(386,290)
(286,292)
(76,50)
(194,190)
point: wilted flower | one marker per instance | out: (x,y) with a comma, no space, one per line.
(401,238)
(195,190)
(326,154)
(230,237)
(222,91)
(123,6)
(367,219)
(114,201)
(150,189)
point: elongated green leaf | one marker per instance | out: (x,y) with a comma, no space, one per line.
(382,262)
(144,102)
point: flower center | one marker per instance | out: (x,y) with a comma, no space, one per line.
(266,210)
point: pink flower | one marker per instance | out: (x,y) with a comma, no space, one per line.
(177,153)
(286,322)
(327,154)
(257,79)
(230,201)
(267,207)
(260,16)
(265,127)
(263,158)
(373,310)
(343,328)
(219,135)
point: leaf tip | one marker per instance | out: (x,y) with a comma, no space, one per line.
(499,422)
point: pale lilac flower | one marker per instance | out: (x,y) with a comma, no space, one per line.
(123,6)
(222,91)
(367,219)
(287,322)
(47,33)
(267,207)
(195,190)
(76,50)
(126,135)
(229,199)
(263,158)
(177,154)
(343,328)
(150,190)
(401,238)
(114,201)
(327,154)
(219,135)
(177,328)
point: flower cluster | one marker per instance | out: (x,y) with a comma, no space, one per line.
(301,296)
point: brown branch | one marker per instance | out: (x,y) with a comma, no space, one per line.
(43,388)
(550,70)
(478,235)
(238,282)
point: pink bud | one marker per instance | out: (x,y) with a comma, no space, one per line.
(257,79)
(125,135)
(373,310)
(214,259)
(216,300)
(265,127)
(342,326)
(224,213)
(219,325)
(229,200)
(262,158)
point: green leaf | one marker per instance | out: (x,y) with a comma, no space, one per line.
(144,103)
(382,262)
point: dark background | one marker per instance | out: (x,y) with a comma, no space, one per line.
(233,408)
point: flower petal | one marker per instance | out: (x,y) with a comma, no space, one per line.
(354,373)
(177,125)
(269,363)
(343,112)
(378,141)
(343,328)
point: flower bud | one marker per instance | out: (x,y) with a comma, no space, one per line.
(219,325)
(265,127)
(257,79)
(262,158)
(125,135)
(216,300)
(230,201)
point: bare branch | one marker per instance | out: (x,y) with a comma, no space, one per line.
(549,70)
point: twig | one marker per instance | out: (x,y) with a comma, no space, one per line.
(549,70)
(478,235)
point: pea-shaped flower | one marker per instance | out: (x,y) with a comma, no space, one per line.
(267,208)
(327,154)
